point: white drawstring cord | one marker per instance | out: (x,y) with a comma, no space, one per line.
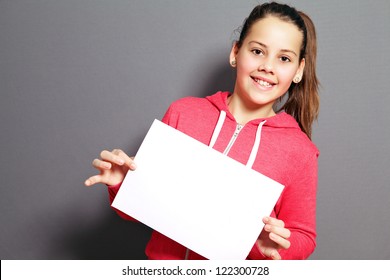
(218,128)
(256,146)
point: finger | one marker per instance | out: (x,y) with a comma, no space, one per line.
(93,180)
(283,232)
(273,221)
(111,157)
(129,161)
(275,255)
(272,253)
(99,164)
(282,242)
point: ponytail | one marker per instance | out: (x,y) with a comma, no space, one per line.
(303,99)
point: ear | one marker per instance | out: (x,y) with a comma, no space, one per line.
(299,74)
(233,54)
(301,67)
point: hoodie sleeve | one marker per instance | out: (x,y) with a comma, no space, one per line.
(297,208)
(171,116)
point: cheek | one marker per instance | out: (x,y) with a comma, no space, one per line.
(246,66)
(246,63)
(286,75)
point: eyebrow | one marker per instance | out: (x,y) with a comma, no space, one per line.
(265,46)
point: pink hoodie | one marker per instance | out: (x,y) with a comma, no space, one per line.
(285,154)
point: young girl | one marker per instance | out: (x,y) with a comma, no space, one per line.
(274,58)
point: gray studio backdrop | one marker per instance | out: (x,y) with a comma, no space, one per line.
(79,76)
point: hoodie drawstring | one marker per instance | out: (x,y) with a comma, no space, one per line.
(255,147)
(218,128)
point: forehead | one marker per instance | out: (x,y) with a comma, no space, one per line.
(276,34)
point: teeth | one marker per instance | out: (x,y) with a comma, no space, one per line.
(263,83)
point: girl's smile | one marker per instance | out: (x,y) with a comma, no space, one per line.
(263,83)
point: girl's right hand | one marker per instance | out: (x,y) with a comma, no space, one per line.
(113,167)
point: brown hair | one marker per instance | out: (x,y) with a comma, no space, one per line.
(302,98)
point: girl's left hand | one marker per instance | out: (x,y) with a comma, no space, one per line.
(273,237)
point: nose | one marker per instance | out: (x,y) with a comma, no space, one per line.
(266,66)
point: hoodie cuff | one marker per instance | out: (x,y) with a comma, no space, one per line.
(113,190)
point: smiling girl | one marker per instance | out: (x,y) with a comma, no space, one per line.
(275,59)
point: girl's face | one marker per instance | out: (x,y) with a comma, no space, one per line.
(267,62)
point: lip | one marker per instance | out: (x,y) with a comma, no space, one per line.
(263,79)
(254,78)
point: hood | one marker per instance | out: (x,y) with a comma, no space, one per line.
(280,120)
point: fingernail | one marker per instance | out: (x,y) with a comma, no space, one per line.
(133,166)
(87,183)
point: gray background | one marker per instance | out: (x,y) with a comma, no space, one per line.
(79,76)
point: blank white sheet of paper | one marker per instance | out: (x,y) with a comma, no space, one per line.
(197,196)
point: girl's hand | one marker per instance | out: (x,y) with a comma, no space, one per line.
(113,167)
(273,237)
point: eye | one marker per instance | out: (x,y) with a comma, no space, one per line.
(285,59)
(257,51)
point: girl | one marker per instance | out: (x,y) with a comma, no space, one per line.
(274,59)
